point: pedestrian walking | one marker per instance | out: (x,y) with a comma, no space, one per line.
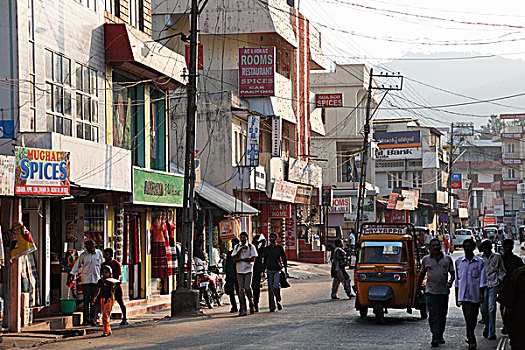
(116,270)
(105,292)
(470,287)
(436,267)
(258,269)
(428,239)
(274,261)
(512,297)
(446,243)
(511,262)
(338,271)
(244,255)
(495,273)
(232,285)
(88,264)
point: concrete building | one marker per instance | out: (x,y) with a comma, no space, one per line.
(86,83)
(409,157)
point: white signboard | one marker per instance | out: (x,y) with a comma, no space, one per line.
(7,175)
(284,191)
(398,153)
(499,210)
(305,172)
(521,188)
(252,141)
(277,128)
(341,205)
(260,179)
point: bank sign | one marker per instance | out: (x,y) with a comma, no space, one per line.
(41,172)
(157,188)
(257,71)
(398,139)
(398,153)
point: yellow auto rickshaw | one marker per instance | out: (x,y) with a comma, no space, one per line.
(387,269)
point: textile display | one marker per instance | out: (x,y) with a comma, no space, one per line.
(171,248)
(21,242)
(30,280)
(159,261)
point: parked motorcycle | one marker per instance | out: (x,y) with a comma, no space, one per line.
(210,286)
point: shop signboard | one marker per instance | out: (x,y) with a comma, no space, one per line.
(279,210)
(410,200)
(512,116)
(305,172)
(510,135)
(41,172)
(398,139)
(462,198)
(489,221)
(7,175)
(284,191)
(328,100)
(259,179)
(499,207)
(392,200)
(256,71)
(277,128)
(521,188)
(340,205)
(456,180)
(157,188)
(290,230)
(398,153)
(229,229)
(252,141)
(511,161)
(396,216)
(304,194)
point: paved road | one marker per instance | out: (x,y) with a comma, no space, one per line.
(309,321)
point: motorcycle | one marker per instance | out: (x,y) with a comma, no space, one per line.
(209,284)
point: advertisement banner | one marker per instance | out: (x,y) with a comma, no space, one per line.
(511,161)
(489,221)
(290,230)
(304,194)
(512,116)
(521,188)
(284,191)
(7,175)
(328,100)
(279,210)
(341,205)
(157,188)
(305,172)
(457,180)
(252,141)
(41,172)
(396,216)
(398,153)
(499,207)
(277,128)
(21,241)
(462,198)
(229,229)
(411,200)
(398,139)
(256,71)
(392,200)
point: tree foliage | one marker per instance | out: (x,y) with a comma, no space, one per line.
(494,127)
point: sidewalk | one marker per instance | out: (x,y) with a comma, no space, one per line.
(297,270)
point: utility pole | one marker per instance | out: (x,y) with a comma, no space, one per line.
(184,299)
(366,144)
(449,183)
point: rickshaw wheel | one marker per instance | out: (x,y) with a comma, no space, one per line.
(380,314)
(363,312)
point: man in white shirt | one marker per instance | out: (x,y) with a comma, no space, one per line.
(88,263)
(244,255)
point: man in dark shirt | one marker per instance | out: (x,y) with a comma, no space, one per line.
(511,262)
(232,285)
(198,247)
(258,268)
(116,269)
(274,260)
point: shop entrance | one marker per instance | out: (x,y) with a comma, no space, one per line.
(132,252)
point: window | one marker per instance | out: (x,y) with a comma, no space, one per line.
(158,130)
(92,4)
(395,180)
(510,148)
(113,7)
(475,178)
(417,179)
(511,173)
(497,177)
(433,138)
(86,103)
(136,14)
(383,252)
(58,93)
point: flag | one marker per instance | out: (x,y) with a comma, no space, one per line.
(22,242)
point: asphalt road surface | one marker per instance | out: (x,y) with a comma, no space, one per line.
(310,320)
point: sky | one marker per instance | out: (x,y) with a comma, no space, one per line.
(383,34)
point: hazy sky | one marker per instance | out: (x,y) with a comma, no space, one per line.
(376,31)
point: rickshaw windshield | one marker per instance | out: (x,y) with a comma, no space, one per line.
(382,252)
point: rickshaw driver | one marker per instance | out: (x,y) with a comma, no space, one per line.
(379,256)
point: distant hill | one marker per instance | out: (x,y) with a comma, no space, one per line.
(482,78)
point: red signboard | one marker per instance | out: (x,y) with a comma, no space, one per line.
(277,210)
(489,221)
(328,100)
(396,216)
(512,116)
(257,71)
(200,58)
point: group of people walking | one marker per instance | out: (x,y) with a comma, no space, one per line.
(480,280)
(245,265)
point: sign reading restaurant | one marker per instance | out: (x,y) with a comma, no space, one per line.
(41,172)
(257,71)
(157,188)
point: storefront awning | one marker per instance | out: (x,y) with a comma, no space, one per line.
(135,52)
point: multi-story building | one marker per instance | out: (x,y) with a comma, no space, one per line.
(86,87)
(254,121)
(409,158)
(341,106)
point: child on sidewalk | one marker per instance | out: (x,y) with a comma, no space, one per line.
(106,292)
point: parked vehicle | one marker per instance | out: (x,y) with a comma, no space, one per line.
(460,235)
(210,286)
(521,233)
(387,270)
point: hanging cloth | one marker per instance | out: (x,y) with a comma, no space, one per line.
(171,247)
(159,259)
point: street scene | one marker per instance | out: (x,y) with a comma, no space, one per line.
(276,174)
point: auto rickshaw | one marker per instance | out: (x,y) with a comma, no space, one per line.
(387,269)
